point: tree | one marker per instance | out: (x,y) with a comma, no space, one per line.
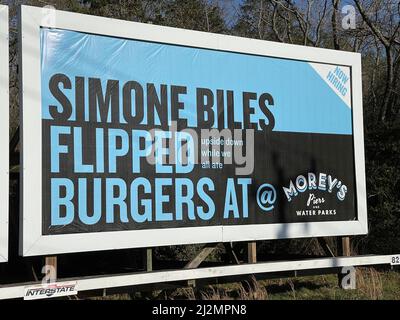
(384,23)
(194,14)
(283,21)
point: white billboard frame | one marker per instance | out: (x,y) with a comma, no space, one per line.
(4,134)
(34,243)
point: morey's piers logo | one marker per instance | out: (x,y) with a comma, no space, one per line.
(326,184)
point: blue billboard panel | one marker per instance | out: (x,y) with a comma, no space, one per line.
(140,135)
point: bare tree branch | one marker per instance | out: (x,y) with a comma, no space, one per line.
(260,19)
(335,4)
(385,41)
(320,22)
(274,28)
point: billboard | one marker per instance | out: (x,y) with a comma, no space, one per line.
(4,133)
(138,135)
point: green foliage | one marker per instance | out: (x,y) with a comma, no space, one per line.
(383,189)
